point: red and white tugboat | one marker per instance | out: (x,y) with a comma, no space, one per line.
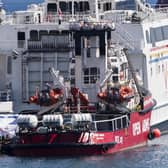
(70,125)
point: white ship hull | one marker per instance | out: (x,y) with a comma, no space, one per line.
(159,115)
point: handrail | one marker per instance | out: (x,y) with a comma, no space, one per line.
(113,122)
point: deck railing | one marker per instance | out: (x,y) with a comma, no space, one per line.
(49,45)
(112,124)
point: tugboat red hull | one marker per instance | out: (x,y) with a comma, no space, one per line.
(84,143)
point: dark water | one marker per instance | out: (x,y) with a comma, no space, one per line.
(154,155)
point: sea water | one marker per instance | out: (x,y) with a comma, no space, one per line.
(154,155)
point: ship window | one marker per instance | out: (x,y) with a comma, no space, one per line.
(126,5)
(21,35)
(73,71)
(99,6)
(84,6)
(42,33)
(113,60)
(165,32)
(34,35)
(88,52)
(106,6)
(9,65)
(115,79)
(76,7)
(91,75)
(52,7)
(73,81)
(147,37)
(53,32)
(63,6)
(21,39)
(73,61)
(158,34)
(27,19)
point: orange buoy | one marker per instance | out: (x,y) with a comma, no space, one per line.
(156,133)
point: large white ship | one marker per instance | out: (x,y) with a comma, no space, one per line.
(47,35)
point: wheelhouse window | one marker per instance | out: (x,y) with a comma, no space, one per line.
(34,35)
(21,39)
(52,7)
(91,75)
(99,6)
(158,34)
(42,33)
(83,6)
(27,19)
(66,7)
(63,6)
(107,6)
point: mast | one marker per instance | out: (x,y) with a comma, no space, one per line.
(96,10)
(73,9)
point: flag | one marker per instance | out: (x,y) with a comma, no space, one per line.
(59,11)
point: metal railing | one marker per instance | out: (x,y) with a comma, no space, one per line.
(111,124)
(48,44)
(54,18)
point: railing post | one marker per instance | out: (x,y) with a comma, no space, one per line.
(112,125)
(122,122)
(95,124)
